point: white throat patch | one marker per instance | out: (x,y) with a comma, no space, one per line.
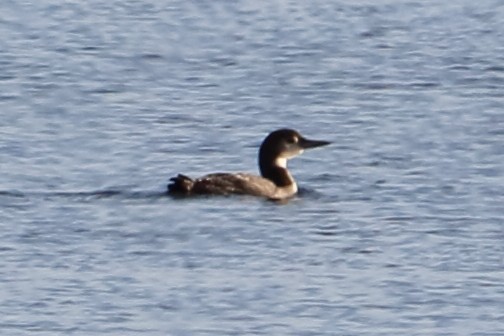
(281,162)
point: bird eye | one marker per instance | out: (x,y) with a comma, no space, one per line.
(292,140)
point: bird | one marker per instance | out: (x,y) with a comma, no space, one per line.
(275,182)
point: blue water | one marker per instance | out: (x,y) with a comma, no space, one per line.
(399,226)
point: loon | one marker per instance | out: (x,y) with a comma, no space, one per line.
(275,182)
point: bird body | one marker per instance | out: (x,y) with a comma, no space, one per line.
(275,181)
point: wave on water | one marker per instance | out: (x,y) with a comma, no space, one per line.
(85,195)
(117,194)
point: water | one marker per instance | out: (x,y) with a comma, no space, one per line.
(398,229)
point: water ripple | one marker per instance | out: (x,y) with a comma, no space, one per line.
(397,228)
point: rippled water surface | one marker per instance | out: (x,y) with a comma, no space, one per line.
(398,229)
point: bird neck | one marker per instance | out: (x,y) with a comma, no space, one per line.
(275,170)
